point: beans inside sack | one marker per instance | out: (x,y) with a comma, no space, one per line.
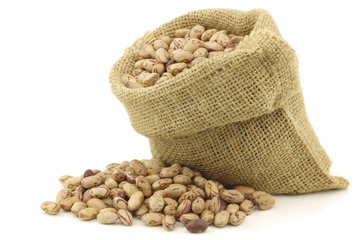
(167,56)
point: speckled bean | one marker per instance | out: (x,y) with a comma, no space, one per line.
(144,185)
(88,213)
(107,217)
(135,201)
(73,182)
(211,189)
(120,203)
(186,218)
(77,207)
(156,203)
(198,205)
(175,190)
(221,219)
(49,207)
(96,203)
(92,181)
(207,216)
(152,219)
(237,218)
(169,222)
(67,203)
(125,217)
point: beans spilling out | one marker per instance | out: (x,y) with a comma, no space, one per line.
(157,194)
(168,56)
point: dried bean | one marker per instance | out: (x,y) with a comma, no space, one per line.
(198,205)
(207,216)
(135,201)
(92,181)
(188,217)
(152,219)
(77,207)
(197,226)
(237,218)
(107,217)
(67,203)
(169,222)
(221,219)
(52,208)
(73,182)
(96,203)
(156,203)
(125,217)
(88,213)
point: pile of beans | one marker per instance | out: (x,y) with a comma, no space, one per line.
(168,56)
(157,194)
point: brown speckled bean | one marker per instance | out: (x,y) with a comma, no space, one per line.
(156,203)
(135,201)
(49,207)
(129,189)
(144,185)
(232,208)
(221,219)
(237,218)
(73,182)
(198,205)
(169,222)
(246,191)
(183,208)
(175,190)
(101,191)
(152,219)
(125,217)
(96,203)
(211,189)
(182,179)
(77,207)
(120,203)
(188,217)
(232,196)
(92,181)
(141,211)
(107,217)
(264,201)
(88,213)
(63,178)
(247,207)
(62,194)
(161,184)
(207,216)
(67,203)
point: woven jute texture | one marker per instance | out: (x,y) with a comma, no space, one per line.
(238,118)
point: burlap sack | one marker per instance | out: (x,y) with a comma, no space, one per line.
(238,118)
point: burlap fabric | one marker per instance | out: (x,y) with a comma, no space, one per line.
(238,118)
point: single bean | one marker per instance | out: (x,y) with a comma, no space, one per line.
(197,226)
(135,201)
(169,222)
(49,207)
(221,219)
(152,219)
(237,218)
(88,213)
(107,217)
(125,217)
(96,203)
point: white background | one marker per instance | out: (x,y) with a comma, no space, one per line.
(58,115)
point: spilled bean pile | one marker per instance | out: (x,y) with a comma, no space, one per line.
(168,57)
(157,194)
